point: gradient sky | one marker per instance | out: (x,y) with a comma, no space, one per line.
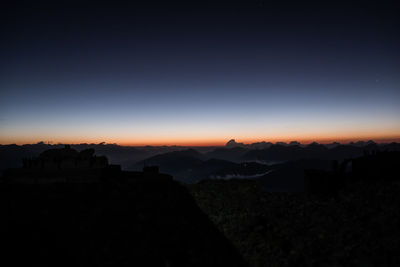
(199,73)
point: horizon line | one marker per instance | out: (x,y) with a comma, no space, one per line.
(219,144)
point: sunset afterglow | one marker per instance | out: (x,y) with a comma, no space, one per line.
(200,77)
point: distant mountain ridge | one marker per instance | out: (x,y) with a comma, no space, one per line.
(275,167)
(315,151)
(190,166)
(261,145)
(262,152)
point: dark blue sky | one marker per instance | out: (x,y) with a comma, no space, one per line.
(200,72)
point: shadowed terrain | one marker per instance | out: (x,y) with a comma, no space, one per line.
(100,217)
(343,219)
(70,208)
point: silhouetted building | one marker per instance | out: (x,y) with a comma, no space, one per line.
(64,159)
(377,165)
(151,170)
(64,165)
(373,166)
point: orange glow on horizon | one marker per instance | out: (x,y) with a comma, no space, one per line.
(303,139)
(323,139)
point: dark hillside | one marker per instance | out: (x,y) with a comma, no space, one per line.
(358,227)
(141,220)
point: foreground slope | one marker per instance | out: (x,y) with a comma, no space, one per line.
(134,219)
(359,227)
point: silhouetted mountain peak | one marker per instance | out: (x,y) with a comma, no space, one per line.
(363,143)
(232,143)
(314,144)
(260,145)
(281,143)
(294,143)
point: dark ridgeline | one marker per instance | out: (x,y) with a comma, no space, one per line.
(66,208)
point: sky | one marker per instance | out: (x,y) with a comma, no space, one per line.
(199,73)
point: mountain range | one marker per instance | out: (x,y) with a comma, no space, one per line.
(274,165)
